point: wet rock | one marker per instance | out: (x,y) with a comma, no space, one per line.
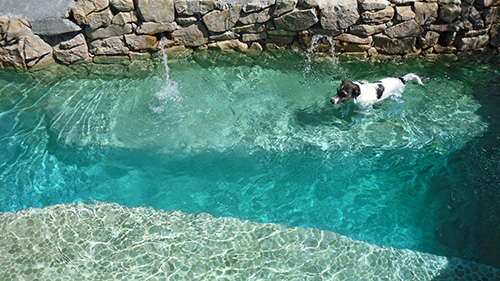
(378,17)
(255,49)
(495,35)
(141,42)
(282,36)
(122,5)
(404,13)
(491,15)
(372,5)
(71,49)
(156,10)
(449,13)
(220,21)
(192,35)
(296,20)
(475,18)
(428,39)
(251,28)
(109,31)
(471,43)
(194,7)
(350,38)
(338,15)
(284,6)
(367,29)
(405,29)
(259,17)
(229,45)
(250,37)
(155,27)
(393,46)
(425,13)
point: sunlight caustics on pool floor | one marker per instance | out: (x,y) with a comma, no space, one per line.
(252,142)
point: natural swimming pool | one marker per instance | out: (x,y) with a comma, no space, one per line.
(261,141)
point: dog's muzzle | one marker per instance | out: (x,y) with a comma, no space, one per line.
(335,100)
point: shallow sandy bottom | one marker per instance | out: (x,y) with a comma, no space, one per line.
(104,241)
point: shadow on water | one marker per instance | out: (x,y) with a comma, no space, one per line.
(471,226)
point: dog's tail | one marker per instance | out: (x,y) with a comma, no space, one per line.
(411,77)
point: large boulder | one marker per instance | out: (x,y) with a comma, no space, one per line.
(471,43)
(296,20)
(141,42)
(284,6)
(35,49)
(425,13)
(83,8)
(155,27)
(257,17)
(367,29)
(194,7)
(495,35)
(53,26)
(109,46)
(122,5)
(404,29)
(109,31)
(71,49)
(338,15)
(449,13)
(372,5)
(12,56)
(378,17)
(220,21)
(193,35)
(156,10)
(393,46)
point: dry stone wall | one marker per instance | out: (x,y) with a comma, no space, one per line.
(361,28)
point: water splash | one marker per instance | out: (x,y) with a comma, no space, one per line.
(169,92)
(315,41)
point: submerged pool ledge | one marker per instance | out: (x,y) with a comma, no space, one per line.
(105,241)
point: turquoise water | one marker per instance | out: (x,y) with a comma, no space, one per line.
(261,141)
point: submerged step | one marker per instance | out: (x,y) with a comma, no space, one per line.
(108,241)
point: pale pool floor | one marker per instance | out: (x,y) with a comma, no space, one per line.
(105,241)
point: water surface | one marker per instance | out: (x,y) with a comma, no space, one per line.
(261,141)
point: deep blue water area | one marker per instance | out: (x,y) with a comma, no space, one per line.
(261,141)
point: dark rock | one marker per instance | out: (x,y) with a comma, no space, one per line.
(471,43)
(428,39)
(405,29)
(296,20)
(53,26)
(377,17)
(387,45)
(449,13)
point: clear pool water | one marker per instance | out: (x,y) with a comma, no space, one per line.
(261,141)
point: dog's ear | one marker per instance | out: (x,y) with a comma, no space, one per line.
(357,90)
(345,81)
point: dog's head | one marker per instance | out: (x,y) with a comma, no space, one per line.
(346,91)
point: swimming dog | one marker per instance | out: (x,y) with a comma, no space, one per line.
(367,94)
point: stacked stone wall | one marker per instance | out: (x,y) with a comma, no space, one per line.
(361,28)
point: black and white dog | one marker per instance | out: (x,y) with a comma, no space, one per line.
(367,94)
